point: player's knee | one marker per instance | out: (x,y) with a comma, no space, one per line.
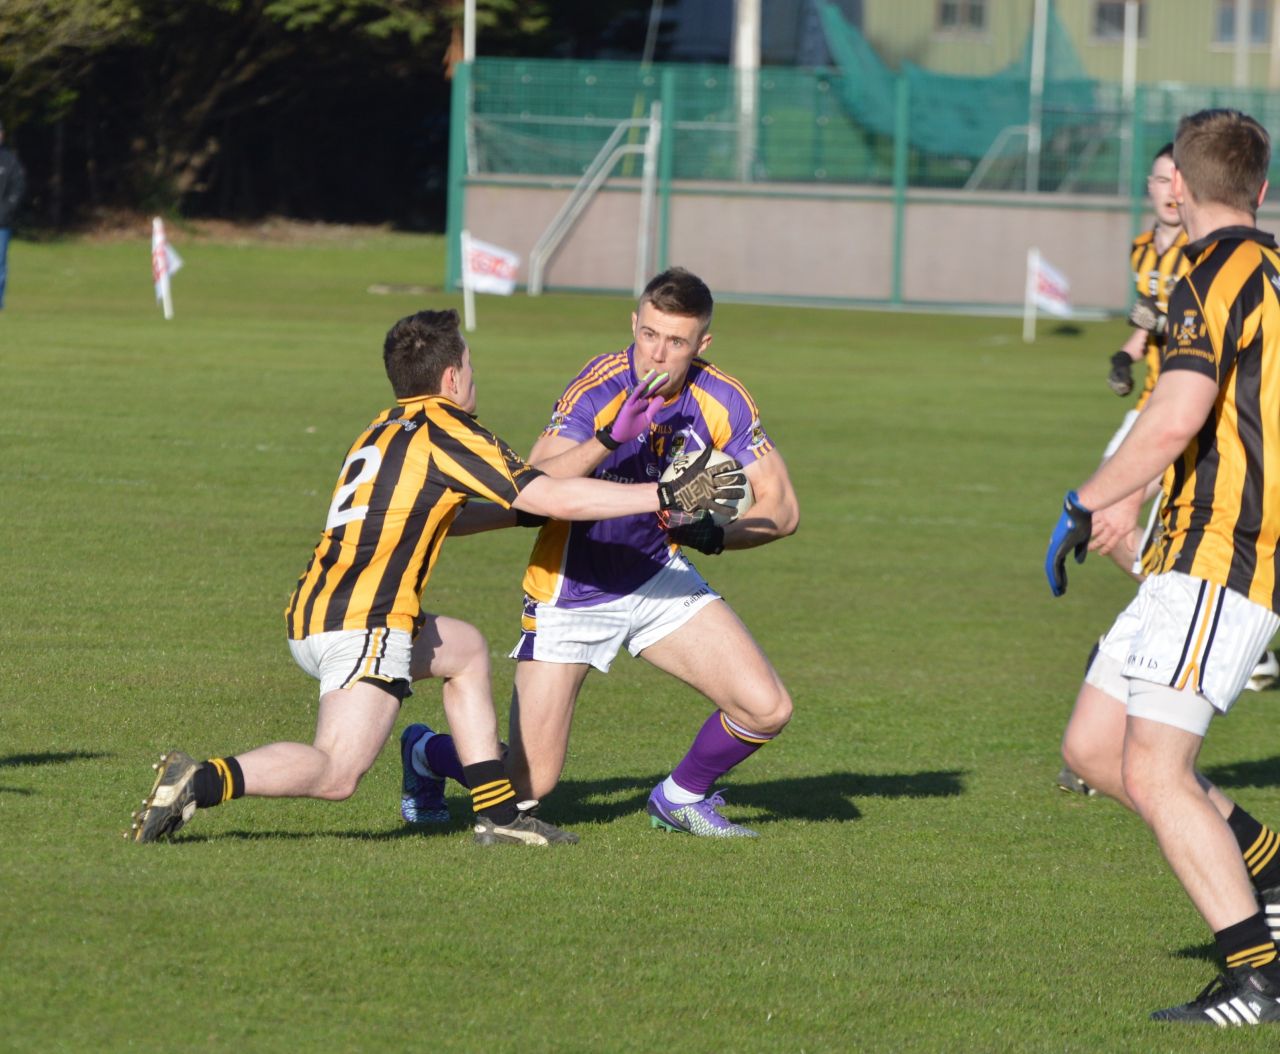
(340,781)
(332,790)
(1137,786)
(775,713)
(473,655)
(783,711)
(1080,756)
(1145,785)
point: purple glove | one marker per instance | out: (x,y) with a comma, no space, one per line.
(637,413)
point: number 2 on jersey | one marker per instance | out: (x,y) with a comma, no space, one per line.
(370,458)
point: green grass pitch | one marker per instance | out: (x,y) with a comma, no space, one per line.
(919,884)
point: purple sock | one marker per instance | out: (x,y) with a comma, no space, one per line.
(718,747)
(442,757)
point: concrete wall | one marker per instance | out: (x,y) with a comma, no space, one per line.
(837,244)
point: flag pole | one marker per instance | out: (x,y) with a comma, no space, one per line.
(468,287)
(160,267)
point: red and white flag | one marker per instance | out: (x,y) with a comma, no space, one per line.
(165,262)
(486,268)
(490,268)
(1048,290)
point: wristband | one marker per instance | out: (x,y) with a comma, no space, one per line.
(606,439)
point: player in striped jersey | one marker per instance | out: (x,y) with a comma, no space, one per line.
(355,621)
(1157,259)
(592,588)
(1183,650)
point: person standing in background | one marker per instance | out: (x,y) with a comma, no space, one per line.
(13,185)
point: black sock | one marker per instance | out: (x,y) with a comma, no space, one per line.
(1249,943)
(1258,844)
(492,795)
(218,780)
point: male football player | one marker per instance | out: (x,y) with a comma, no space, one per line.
(1183,649)
(1158,260)
(592,588)
(355,621)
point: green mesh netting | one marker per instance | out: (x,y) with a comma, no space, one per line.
(954,115)
(550,117)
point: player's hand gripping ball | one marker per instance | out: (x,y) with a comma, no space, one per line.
(703,528)
(728,505)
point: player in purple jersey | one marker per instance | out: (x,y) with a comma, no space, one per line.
(593,587)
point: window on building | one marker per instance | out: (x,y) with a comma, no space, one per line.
(962,16)
(1224,24)
(1108,20)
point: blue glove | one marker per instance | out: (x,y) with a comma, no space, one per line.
(1072,531)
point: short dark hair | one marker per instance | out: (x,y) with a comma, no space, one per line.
(1223,157)
(1164,151)
(418,350)
(680,292)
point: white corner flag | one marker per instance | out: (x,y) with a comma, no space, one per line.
(485,269)
(165,262)
(1047,290)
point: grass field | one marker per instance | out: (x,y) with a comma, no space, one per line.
(919,884)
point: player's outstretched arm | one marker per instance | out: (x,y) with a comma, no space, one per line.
(697,488)
(476,517)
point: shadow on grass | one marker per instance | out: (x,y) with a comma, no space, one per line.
(1265,772)
(820,798)
(13,761)
(1206,952)
(391,834)
(825,798)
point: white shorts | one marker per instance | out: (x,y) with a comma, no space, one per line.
(1186,709)
(594,634)
(1189,635)
(342,658)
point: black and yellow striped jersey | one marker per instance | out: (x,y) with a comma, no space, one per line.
(1222,506)
(1155,274)
(401,485)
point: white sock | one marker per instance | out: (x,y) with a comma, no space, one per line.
(677,795)
(418,758)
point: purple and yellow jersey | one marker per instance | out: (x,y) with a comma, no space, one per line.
(577,564)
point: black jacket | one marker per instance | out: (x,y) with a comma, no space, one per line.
(13,185)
